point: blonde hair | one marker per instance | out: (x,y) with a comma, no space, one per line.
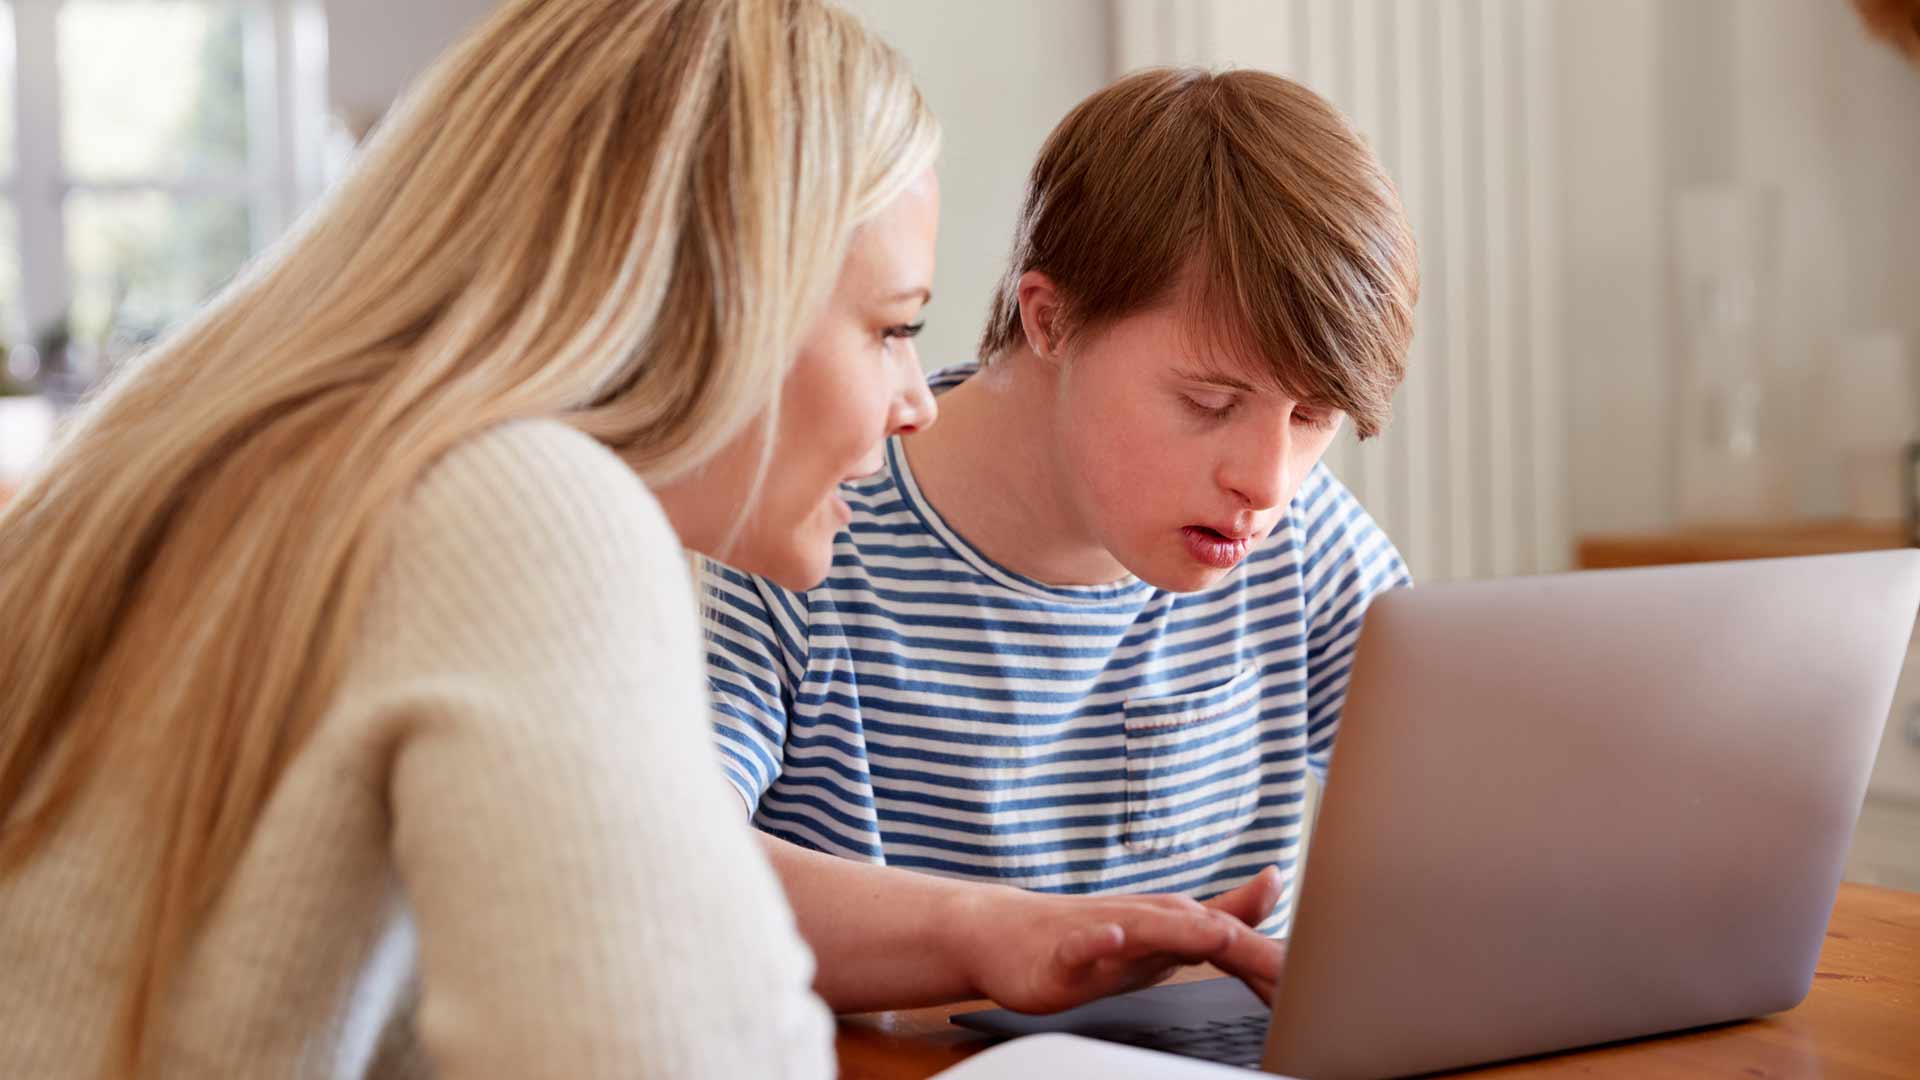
(1239,192)
(615,212)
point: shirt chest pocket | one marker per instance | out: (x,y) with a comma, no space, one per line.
(1193,765)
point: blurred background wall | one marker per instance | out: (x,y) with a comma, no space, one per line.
(1554,155)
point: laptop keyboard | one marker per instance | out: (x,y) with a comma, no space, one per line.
(1238,1041)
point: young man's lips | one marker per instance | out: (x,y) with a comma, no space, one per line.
(1213,548)
(1230,534)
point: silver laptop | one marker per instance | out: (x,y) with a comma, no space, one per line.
(1567,810)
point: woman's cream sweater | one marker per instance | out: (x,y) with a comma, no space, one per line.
(506,851)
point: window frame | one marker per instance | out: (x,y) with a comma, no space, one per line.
(286,65)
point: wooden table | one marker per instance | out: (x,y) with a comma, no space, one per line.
(1862,1019)
(1726,542)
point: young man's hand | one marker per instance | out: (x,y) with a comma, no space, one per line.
(1039,953)
(1257,958)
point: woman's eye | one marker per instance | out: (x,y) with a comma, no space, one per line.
(904,330)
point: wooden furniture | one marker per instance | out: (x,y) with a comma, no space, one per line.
(1861,1019)
(1887,841)
(1717,544)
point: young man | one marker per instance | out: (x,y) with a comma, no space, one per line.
(1085,637)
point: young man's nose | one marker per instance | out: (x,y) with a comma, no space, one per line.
(1259,471)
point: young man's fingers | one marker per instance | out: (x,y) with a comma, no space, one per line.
(1089,944)
(1171,902)
(1190,937)
(1139,975)
(1261,988)
(1254,959)
(1253,901)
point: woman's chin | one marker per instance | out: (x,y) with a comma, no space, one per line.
(803,559)
(801,570)
(807,558)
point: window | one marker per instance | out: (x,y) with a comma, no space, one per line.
(155,146)
(12,317)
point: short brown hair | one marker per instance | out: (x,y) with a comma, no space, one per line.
(1299,251)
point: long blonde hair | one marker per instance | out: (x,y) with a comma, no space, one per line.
(615,212)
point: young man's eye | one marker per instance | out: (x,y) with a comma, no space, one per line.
(1318,419)
(1213,408)
(904,330)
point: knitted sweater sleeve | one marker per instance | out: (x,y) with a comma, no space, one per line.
(588,900)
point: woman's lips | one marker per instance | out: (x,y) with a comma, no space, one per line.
(1213,548)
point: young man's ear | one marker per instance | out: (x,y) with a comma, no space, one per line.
(1039,313)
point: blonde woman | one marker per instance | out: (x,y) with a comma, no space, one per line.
(351,701)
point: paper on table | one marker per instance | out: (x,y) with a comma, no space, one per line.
(1059,1056)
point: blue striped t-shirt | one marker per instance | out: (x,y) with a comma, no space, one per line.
(929,709)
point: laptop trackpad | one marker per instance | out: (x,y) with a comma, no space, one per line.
(1144,1016)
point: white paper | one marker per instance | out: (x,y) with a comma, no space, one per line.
(1057,1056)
